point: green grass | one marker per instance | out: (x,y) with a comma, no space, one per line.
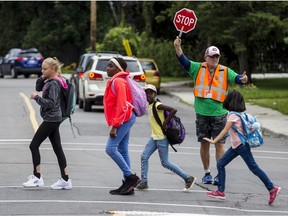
(271,93)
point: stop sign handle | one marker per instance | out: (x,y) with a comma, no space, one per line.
(181,31)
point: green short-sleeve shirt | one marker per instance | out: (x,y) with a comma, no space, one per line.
(207,106)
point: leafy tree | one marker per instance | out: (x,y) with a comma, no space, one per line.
(13,24)
(163,52)
(113,40)
(251,35)
(60,35)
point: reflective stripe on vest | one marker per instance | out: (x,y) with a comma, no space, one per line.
(218,87)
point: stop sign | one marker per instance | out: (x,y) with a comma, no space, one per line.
(185,20)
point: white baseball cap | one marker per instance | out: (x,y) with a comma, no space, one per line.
(150,86)
(212,50)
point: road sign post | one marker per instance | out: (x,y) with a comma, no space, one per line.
(127,47)
(185,20)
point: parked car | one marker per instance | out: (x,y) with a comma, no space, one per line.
(152,72)
(81,67)
(93,82)
(1,74)
(18,61)
(79,71)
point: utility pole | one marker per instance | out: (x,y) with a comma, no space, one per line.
(114,12)
(93,21)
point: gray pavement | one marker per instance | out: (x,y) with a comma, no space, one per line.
(271,120)
(93,173)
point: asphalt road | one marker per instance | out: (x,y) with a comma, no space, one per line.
(93,173)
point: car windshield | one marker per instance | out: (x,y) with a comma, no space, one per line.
(102,64)
(132,66)
(147,65)
(80,64)
(30,54)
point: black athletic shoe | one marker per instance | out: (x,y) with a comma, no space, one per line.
(117,191)
(131,181)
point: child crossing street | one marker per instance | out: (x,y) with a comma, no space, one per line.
(120,117)
(235,102)
(158,141)
(52,118)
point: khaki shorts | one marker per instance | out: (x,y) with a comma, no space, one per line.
(210,126)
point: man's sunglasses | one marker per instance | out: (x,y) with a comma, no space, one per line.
(215,56)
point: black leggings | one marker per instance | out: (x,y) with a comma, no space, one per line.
(51,130)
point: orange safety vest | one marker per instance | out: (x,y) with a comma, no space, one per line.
(211,86)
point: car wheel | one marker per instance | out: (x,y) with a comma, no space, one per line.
(158,91)
(77,99)
(1,74)
(87,105)
(14,74)
(26,75)
(80,102)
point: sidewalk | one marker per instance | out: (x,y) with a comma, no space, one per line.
(271,120)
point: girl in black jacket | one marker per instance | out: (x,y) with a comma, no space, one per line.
(50,83)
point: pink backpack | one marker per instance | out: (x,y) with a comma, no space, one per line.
(139,100)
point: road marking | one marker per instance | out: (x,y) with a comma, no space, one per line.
(31,111)
(14,142)
(124,213)
(3,145)
(144,204)
(113,187)
(108,188)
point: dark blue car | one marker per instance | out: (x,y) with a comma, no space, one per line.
(18,61)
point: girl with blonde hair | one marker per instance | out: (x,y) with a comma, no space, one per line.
(50,83)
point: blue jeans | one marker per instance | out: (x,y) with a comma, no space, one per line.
(245,152)
(117,148)
(162,146)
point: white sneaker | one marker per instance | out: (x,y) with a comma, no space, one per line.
(33,181)
(62,184)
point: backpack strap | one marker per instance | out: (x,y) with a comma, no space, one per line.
(240,135)
(113,84)
(156,116)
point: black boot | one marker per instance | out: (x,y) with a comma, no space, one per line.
(131,181)
(117,191)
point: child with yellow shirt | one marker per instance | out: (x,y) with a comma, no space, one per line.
(158,141)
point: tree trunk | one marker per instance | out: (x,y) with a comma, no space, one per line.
(148,14)
(243,58)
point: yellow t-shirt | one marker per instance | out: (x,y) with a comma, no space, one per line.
(156,131)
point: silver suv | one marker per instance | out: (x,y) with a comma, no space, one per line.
(93,82)
(82,65)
